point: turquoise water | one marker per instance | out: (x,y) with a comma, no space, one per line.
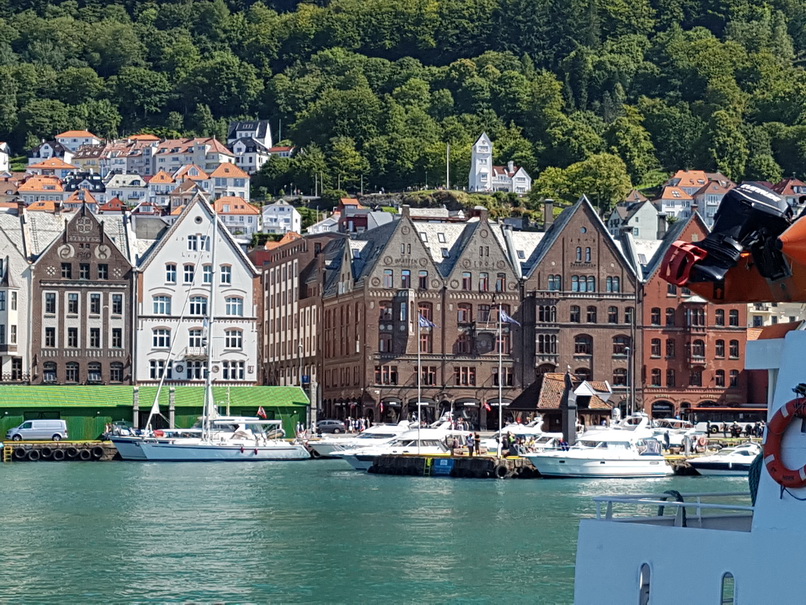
(294,532)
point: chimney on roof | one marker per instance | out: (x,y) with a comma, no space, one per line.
(405,210)
(481,212)
(20,205)
(661,225)
(510,166)
(548,213)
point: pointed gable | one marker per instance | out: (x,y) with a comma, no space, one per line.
(228,171)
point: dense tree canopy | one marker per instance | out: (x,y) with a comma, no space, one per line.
(575,91)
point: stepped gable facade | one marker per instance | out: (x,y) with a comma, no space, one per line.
(579,303)
(81,305)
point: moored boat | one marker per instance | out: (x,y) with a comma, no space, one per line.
(731,461)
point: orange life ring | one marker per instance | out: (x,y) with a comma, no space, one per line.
(702,441)
(787,477)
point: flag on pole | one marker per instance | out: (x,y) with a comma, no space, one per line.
(426,323)
(507,319)
(261,412)
(487,406)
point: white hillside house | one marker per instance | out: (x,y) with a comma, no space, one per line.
(281,217)
(174,285)
(485,177)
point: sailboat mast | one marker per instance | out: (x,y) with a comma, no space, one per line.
(208,383)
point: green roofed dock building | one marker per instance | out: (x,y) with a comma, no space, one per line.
(88,409)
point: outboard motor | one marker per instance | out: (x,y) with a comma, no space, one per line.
(750,219)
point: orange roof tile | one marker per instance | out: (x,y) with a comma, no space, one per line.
(185,173)
(43,206)
(112,205)
(289,237)
(178,210)
(42,183)
(76,134)
(53,164)
(673,193)
(76,197)
(144,137)
(237,205)
(229,171)
(551,392)
(161,178)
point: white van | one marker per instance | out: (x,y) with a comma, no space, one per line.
(39,430)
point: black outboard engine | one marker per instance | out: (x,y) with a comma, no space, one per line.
(750,218)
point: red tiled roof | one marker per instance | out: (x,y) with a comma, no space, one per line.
(553,387)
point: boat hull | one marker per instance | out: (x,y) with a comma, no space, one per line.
(721,469)
(129,447)
(327,449)
(556,466)
(201,452)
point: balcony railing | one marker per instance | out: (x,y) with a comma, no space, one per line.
(15,378)
(195,353)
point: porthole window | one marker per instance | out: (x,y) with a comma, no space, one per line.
(198,219)
(583,230)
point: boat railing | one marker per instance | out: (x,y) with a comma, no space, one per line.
(691,510)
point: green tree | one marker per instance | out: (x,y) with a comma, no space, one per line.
(141,91)
(227,85)
(602,177)
(628,139)
(347,164)
(727,145)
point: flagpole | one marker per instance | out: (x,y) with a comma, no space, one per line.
(419,383)
(500,386)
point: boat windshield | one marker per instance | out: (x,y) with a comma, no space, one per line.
(366,436)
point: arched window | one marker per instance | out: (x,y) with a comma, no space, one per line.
(654,347)
(587,255)
(644,585)
(620,345)
(670,313)
(116,372)
(670,348)
(654,316)
(583,373)
(234,306)
(579,254)
(575,314)
(734,378)
(728,589)
(719,378)
(734,349)
(698,348)
(555,283)
(720,317)
(719,348)
(620,377)
(198,305)
(574,283)
(591,315)
(94,372)
(591,284)
(71,372)
(422,280)
(612,315)
(426,309)
(583,345)
(547,344)
(49,371)
(655,377)
(464,313)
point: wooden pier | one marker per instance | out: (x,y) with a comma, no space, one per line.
(58,451)
(472,467)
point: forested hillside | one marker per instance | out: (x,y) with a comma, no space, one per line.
(377,87)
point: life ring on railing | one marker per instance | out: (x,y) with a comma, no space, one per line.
(787,477)
(702,441)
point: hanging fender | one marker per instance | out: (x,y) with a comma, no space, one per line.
(787,477)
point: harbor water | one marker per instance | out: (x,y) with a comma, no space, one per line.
(293,532)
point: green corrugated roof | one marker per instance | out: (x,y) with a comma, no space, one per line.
(18,396)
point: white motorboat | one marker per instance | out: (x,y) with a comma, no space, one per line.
(674,431)
(128,443)
(430,441)
(730,461)
(604,453)
(377,434)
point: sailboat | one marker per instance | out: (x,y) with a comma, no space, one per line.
(219,438)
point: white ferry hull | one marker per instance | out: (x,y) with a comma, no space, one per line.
(555,466)
(203,452)
(722,470)
(360,462)
(327,449)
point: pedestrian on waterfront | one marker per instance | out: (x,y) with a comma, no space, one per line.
(667,441)
(477,443)
(454,446)
(471,445)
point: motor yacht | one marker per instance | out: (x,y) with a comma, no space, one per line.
(730,461)
(604,453)
(375,435)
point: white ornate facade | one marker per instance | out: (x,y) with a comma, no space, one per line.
(485,177)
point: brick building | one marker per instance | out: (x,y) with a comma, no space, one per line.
(693,351)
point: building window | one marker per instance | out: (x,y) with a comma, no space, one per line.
(555,283)
(162,305)
(591,315)
(426,310)
(117,338)
(234,306)
(671,380)
(621,344)
(695,317)
(483,313)
(547,344)
(116,372)
(719,347)
(426,342)
(500,282)
(95,338)
(405,279)
(404,311)
(193,242)
(734,378)
(71,372)
(620,377)
(507,377)
(654,316)
(484,282)
(719,377)
(467,281)
(655,377)
(612,315)
(670,348)
(613,284)
(103,271)
(720,317)
(72,338)
(629,315)
(195,338)
(233,339)
(194,370)
(233,370)
(388,278)
(464,313)
(698,349)
(50,337)
(464,344)
(50,302)
(654,347)
(671,290)
(386,310)
(428,375)
(94,373)
(83,271)
(158,367)
(583,345)
(385,343)
(14,301)
(575,283)
(670,313)
(67,271)
(161,338)
(575,314)
(579,254)
(695,378)
(170,273)
(95,303)
(734,349)
(226,274)
(198,305)
(587,255)
(386,375)
(49,372)
(207,274)
(464,376)
(189,271)
(72,303)
(734,317)
(546,313)
(422,280)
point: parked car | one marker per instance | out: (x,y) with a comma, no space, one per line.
(52,430)
(330,426)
